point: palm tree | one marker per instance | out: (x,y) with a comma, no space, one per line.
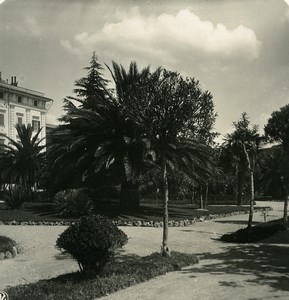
(244,143)
(272,169)
(97,136)
(21,161)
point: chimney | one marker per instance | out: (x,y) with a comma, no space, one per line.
(0,76)
(11,80)
(15,82)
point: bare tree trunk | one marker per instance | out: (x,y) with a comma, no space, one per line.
(201,198)
(165,248)
(239,186)
(251,211)
(206,197)
(157,195)
(193,195)
(285,213)
(252,196)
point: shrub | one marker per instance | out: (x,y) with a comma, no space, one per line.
(6,244)
(73,203)
(16,195)
(92,241)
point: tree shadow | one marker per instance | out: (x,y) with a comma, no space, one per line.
(237,222)
(203,232)
(268,264)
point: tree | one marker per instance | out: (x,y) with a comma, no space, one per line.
(125,84)
(91,89)
(96,136)
(172,112)
(277,130)
(150,114)
(243,144)
(21,161)
(273,171)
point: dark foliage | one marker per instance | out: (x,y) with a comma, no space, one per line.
(253,234)
(73,203)
(15,196)
(6,244)
(22,162)
(92,241)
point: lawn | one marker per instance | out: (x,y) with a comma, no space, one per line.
(119,274)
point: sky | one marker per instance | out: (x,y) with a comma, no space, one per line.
(237,49)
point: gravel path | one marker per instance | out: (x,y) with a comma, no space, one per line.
(225,271)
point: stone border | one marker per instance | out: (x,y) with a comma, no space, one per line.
(138,223)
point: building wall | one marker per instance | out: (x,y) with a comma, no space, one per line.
(23,106)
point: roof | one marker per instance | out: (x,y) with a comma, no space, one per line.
(22,90)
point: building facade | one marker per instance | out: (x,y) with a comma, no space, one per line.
(19,105)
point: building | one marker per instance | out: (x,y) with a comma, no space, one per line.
(19,105)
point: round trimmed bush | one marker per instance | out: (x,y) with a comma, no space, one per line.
(7,247)
(92,241)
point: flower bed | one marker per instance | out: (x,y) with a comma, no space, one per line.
(201,217)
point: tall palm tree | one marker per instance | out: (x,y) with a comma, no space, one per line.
(21,161)
(244,143)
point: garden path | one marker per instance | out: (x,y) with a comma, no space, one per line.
(225,271)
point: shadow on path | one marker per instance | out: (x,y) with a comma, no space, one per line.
(237,222)
(265,265)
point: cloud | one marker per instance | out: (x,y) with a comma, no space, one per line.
(31,26)
(67,45)
(169,35)
(2,1)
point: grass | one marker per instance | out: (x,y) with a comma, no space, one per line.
(123,272)
(6,244)
(255,234)
(44,212)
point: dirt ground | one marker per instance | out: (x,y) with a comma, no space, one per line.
(226,271)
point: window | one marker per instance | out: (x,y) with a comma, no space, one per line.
(1,119)
(19,99)
(35,125)
(1,95)
(19,120)
(35,103)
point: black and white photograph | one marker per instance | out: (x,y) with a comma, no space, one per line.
(144,149)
